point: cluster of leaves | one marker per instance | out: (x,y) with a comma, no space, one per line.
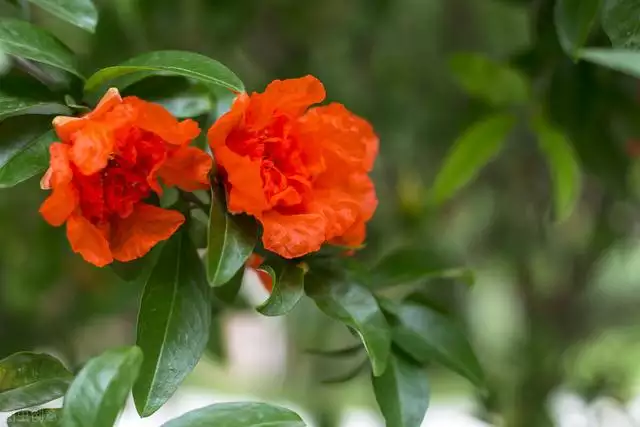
(516,102)
(400,336)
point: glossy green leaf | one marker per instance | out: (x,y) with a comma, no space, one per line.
(620,22)
(24,148)
(574,20)
(495,83)
(40,418)
(563,166)
(100,390)
(30,379)
(187,64)
(477,146)
(229,246)
(23,40)
(173,323)
(194,102)
(625,61)
(427,335)
(402,393)
(356,307)
(228,293)
(15,106)
(288,289)
(238,415)
(81,13)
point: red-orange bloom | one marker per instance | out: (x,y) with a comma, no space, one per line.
(107,163)
(302,172)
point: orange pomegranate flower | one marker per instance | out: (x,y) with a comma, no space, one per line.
(107,163)
(302,172)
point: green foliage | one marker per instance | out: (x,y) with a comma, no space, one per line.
(230,243)
(30,379)
(173,323)
(625,61)
(238,415)
(470,153)
(619,20)
(39,418)
(563,165)
(574,20)
(23,40)
(98,393)
(428,335)
(14,106)
(288,289)
(24,148)
(81,13)
(495,83)
(402,393)
(187,64)
(355,306)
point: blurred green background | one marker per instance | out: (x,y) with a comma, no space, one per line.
(554,306)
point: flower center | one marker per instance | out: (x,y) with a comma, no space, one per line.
(125,181)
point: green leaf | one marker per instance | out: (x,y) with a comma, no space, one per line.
(470,153)
(187,64)
(563,166)
(173,323)
(24,148)
(23,40)
(30,379)
(288,289)
(81,13)
(100,390)
(238,415)
(428,335)
(194,102)
(15,106)
(495,83)
(402,393)
(228,292)
(230,244)
(625,61)
(356,307)
(412,265)
(620,22)
(40,418)
(574,19)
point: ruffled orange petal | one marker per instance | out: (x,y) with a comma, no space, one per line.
(156,119)
(110,99)
(340,137)
(220,130)
(187,168)
(134,236)
(60,204)
(339,209)
(92,147)
(88,241)
(245,188)
(64,198)
(289,97)
(353,237)
(292,236)
(67,126)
